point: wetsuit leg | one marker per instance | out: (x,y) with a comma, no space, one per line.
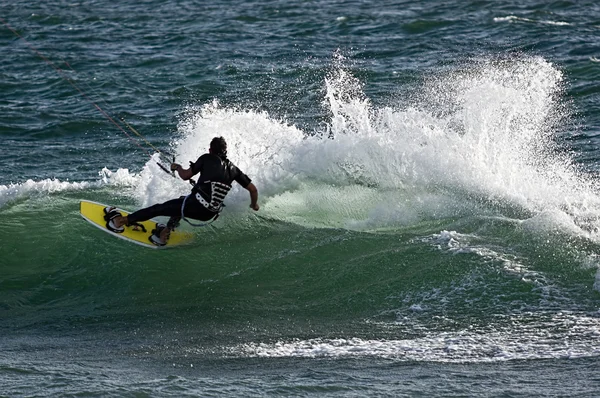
(171,208)
(174,221)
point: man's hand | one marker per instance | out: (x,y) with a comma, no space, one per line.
(175,166)
(255,207)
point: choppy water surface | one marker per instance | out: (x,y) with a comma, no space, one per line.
(430,210)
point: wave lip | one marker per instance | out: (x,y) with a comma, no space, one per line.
(30,188)
(8,193)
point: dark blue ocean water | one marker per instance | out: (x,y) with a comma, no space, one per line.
(430,206)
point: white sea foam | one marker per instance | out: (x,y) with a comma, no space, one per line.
(532,340)
(514,18)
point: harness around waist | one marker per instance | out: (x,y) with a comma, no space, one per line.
(218,191)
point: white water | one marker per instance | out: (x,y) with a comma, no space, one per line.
(474,137)
(513,338)
(30,188)
(485,134)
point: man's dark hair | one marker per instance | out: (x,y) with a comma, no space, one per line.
(218,146)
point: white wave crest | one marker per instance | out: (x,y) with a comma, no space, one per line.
(483,133)
(31,188)
(48,186)
(486,131)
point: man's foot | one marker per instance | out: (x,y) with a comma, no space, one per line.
(160,235)
(119,221)
(111,215)
(165,234)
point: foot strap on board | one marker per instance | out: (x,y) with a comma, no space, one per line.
(155,237)
(110,213)
(137,226)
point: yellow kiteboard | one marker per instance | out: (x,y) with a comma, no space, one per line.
(93,212)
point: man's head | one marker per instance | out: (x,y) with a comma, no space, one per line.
(218,147)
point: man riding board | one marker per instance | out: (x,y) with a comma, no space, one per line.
(205,201)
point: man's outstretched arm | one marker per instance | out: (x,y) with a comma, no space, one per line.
(253,197)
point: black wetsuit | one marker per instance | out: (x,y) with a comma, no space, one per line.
(212,169)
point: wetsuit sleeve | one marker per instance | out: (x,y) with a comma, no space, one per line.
(240,177)
(197,167)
